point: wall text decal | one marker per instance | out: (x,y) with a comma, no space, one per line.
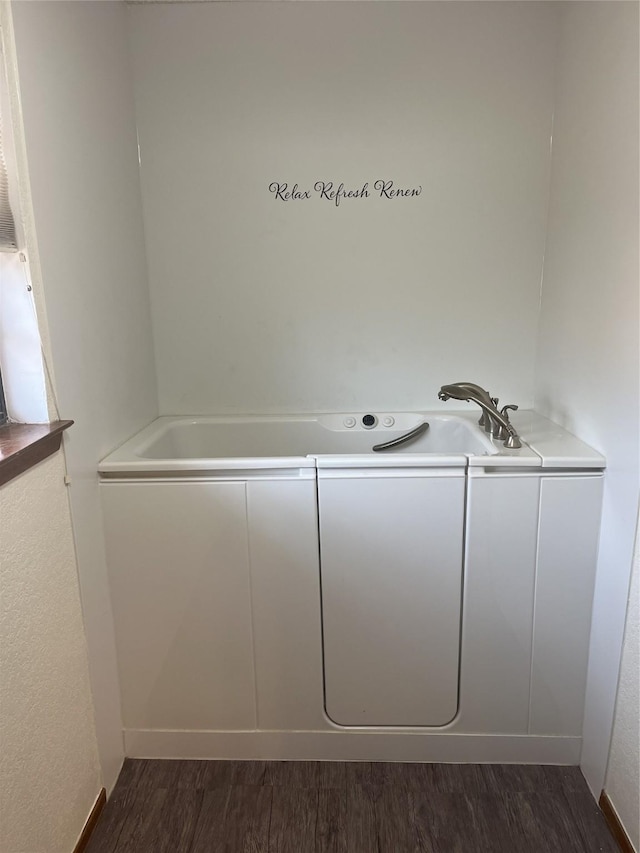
(328,191)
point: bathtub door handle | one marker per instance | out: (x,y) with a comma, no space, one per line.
(402,439)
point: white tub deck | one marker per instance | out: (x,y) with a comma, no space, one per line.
(259,442)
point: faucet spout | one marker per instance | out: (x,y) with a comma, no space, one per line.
(475,394)
(465,391)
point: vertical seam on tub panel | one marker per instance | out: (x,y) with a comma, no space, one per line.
(322,649)
(463,579)
(534,607)
(251,625)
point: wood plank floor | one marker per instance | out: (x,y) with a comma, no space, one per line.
(163,806)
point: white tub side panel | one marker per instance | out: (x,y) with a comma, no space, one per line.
(391,558)
(179,572)
(567,555)
(498,603)
(285,584)
(355,745)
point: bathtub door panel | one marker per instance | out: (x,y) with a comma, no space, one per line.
(391,568)
(179,574)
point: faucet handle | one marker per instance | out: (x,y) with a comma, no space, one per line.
(505,410)
(509,437)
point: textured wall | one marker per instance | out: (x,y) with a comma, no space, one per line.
(80,140)
(588,363)
(49,769)
(623,775)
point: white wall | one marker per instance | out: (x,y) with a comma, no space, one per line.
(588,361)
(80,139)
(49,768)
(265,305)
(623,773)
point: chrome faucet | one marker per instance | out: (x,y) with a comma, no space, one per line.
(496,421)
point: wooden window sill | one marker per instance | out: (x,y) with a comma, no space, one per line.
(24,445)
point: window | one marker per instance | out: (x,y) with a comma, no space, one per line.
(21,366)
(26,436)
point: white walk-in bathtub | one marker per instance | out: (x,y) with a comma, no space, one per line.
(281,590)
(308,441)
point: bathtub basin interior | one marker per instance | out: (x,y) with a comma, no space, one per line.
(223,438)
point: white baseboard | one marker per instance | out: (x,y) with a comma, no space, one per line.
(353,746)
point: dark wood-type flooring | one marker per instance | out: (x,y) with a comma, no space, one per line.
(337,807)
